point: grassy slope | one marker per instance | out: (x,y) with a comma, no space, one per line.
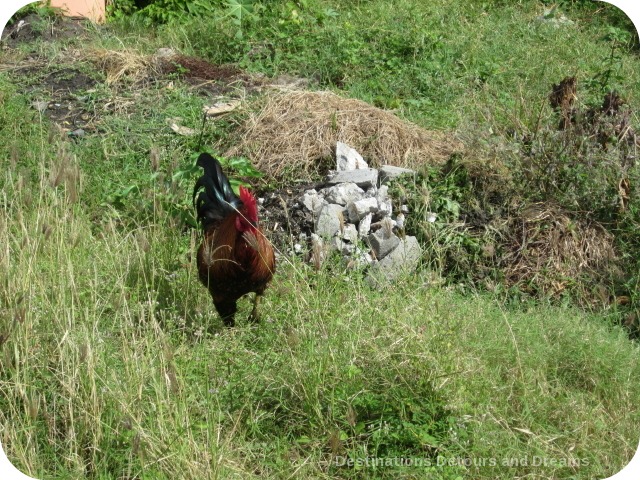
(107,370)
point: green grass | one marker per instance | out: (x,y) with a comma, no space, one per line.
(114,363)
(438,63)
(108,370)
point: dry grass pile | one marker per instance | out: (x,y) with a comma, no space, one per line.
(295,132)
(124,65)
(550,253)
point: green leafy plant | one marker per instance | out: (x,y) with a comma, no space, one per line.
(240,11)
(168,194)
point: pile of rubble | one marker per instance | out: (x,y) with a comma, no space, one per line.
(354,215)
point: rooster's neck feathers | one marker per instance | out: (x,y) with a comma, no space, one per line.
(216,199)
(250,205)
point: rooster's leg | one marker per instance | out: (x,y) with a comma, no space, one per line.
(255,316)
(227,310)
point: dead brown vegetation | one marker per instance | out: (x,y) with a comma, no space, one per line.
(549,252)
(296,132)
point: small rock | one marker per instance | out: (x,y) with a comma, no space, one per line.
(77,133)
(345,248)
(385,208)
(382,193)
(328,221)
(403,259)
(382,244)
(297,248)
(389,172)
(174,124)
(312,201)
(386,223)
(404,209)
(348,158)
(365,225)
(365,259)
(40,105)
(364,177)
(220,108)
(359,260)
(350,233)
(400,220)
(361,208)
(343,193)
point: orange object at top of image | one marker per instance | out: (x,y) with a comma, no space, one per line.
(91,9)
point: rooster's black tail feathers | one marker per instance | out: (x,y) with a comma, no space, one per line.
(217,199)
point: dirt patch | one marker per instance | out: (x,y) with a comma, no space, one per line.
(60,95)
(129,68)
(33,27)
(68,80)
(207,77)
(295,132)
(69,113)
(281,221)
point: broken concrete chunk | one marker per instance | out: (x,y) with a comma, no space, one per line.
(364,177)
(343,193)
(385,208)
(365,225)
(361,208)
(389,172)
(348,158)
(386,224)
(312,201)
(345,248)
(382,244)
(329,220)
(382,193)
(403,259)
(350,233)
(371,192)
(358,260)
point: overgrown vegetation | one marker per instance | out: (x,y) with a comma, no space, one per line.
(506,346)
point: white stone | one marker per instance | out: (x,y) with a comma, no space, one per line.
(364,177)
(347,158)
(365,225)
(328,221)
(312,201)
(403,259)
(385,208)
(345,248)
(350,233)
(361,208)
(389,172)
(382,193)
(343,193)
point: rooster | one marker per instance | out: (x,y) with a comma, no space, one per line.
(234,258)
